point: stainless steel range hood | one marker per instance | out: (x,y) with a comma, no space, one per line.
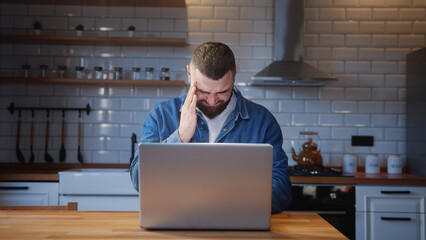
(288,69)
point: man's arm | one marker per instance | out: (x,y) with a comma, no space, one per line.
(281,184)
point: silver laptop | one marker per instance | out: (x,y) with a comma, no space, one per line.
(205,186)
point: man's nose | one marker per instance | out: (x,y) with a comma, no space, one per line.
(211,99)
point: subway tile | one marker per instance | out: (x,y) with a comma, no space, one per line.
(419,3)
(357,93)
(385,93)
(311,13)
(119,62)
(384,67)
(25,22)
(6,21)
(331,40)
(264,3)
(384,147)
(357,120)
(41,10)
(395,134)
(371,53)
(396,54)
(310,40)
(371,26)
(121,91)
(262,52)
(385,14)
(81,51)
(331,93)
(343,133)
(39,90)
(305,93)
(54,50)
(358,13)
(108,24)
(398,27)
(292,106)
(370,107)
(358,40)
(200,12)
(107,51)
(384,120)
(377,133)
(332,13)
(115,143)
(412,40)
(198,37)
(371,80)
(304,119)
(13,9)
(151,102)
(190,25)
(213,25)
(402,120)
(66,90)
(226,12)
(247,65)
(139,24)
(330,120)
(412,14)
(94,11)
(332,146)
(94,90)
(106,130)
(126,130)
(402,66)
(128,51)
(345,3)
(253,13)
(284,119)
(402,94)
(318,3)
(172,91)
(278,92)
(252,92)
(28,50)
(135,104)
(148,12)
(331,66)
(344,106)
(318,53)
(175,13)
(384,40)
(94,143)
(240,26)
(252,39)
(139,117)
(55,23)
(115,11)
(322,106)
(395,107)
(240,3)
(342,53)
(119,116)
(367,3)
(107,103)
(419,27)
(395,80)
(357,67)
(104,156)
(158,25)
(398,3)
(230,39)
(345,27)
(68,10)
(318,26)
(263,26)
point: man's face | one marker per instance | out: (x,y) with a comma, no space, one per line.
(212,95)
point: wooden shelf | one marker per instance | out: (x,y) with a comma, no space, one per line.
(170,83)
(135,3)
(74,40)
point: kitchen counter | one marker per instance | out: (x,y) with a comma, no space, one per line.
(38,224)
(49,172)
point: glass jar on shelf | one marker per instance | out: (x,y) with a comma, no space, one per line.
(118,73)
(26,68)
(79,72)
(62,71)
(99,72)
(136,73)
(43,71)
(149,73)
(165,73)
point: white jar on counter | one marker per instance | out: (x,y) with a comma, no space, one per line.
(372,164)
(349,163)
(394,164)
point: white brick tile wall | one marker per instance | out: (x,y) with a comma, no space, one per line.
(332,13)
(318,3)
(200,11)
(358,13)
(345,53)
(370,107)
(345,3)
(252,39)
(345,27)
(171,12)
(384,120)
(108,23)
(310,40)
(372,27)
(311,13)
(344,106)
(14,9)
(331,120)
(385,13)
(240,26)
(385,93)
(68,10)
(332,40)
(357,67)
(412,14)
(331,66)
(263,26)
(384,40)
(253,13)
(41,10)
(395,134)
(227,12)
(419,3)
(411,40)
(331,93)
(358,40)
(371,80)
(304,119)
(292,106)
(395,107)
(384,67)
(357,120)
(321,106)
(398,27)
(318,52)
(343,133)
(367,3)
(318,26)
(305,93)
(419,27)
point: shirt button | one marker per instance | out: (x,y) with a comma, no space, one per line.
(202,123)
(224,129)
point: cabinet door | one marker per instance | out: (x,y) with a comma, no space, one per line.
(28,193)
(389,226)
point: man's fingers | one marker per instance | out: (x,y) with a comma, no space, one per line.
(194,103)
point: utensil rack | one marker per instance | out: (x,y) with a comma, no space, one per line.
(12,109)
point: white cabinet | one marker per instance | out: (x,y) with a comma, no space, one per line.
(28,193)
(390,212)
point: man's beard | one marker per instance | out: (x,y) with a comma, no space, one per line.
(212,112)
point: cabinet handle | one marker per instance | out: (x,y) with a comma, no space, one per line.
(14,188)
(395,219)
(395,192)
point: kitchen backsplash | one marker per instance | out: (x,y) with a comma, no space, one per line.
(361,42)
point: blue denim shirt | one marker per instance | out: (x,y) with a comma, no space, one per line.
(248,123)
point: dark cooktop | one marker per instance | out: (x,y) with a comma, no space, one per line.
(314,171)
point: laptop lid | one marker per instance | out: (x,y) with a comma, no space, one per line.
(205,185)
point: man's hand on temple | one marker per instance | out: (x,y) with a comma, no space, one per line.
(188,117)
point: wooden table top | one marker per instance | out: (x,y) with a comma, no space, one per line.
(38,224)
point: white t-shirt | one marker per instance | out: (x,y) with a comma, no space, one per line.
(215,124)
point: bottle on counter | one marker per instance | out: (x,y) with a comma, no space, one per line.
(136,73)
(372,164)
(98,72)
(79,72)
(165,74)
(394,163)
(149,73)
(118,73)
(349,163)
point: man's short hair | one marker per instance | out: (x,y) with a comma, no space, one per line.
(214,60)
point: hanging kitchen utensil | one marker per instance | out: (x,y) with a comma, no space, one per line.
(133,140)
(32,138)
(62,152)
(47,157)
(79,155)
(19,154)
